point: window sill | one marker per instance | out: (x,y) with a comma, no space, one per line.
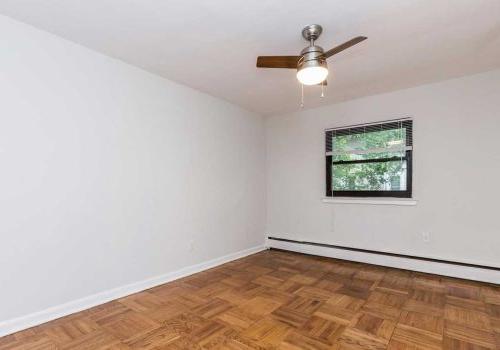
(372,201)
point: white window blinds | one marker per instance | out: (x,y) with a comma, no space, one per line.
(370,140)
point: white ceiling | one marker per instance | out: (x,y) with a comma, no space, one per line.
(212,45)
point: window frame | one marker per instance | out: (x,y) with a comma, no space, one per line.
(387,125)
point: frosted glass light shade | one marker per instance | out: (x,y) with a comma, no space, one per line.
(312,75)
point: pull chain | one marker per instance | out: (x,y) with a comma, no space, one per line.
(302,96)
(322,89)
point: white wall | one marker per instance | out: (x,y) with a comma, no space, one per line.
(456,174)
(107,173)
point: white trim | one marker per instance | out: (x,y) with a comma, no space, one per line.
(371,201)
(52,313)
(467,272)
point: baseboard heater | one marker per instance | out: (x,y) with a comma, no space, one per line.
(451,268)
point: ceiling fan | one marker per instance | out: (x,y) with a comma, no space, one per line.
(311,64)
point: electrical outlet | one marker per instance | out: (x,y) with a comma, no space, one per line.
(426,236)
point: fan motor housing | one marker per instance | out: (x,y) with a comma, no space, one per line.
(311,56)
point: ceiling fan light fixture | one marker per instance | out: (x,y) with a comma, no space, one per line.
(312,72)
(311,63)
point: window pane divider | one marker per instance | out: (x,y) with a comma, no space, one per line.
(374,160)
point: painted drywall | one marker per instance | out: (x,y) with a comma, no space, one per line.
(111,175)
(456,170)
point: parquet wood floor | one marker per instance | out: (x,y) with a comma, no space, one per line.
(283,300)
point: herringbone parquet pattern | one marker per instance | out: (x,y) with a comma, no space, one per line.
(282,300)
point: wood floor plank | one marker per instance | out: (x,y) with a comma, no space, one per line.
(96,340)
(324,330)
(267,332)
(298,341)
(471,318)
(30,343)
(426,322)
(406,337)
(63,332)
(353,338)
(142,301)
(130,325)
(455,344)
(160,336)
(381,329)
(469,335)
(284,300)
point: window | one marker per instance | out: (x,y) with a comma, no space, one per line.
(373,160)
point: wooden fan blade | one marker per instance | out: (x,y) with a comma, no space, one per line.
(344,46)
(277,61)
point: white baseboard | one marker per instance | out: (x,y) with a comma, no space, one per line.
(34,319)
(445,269)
